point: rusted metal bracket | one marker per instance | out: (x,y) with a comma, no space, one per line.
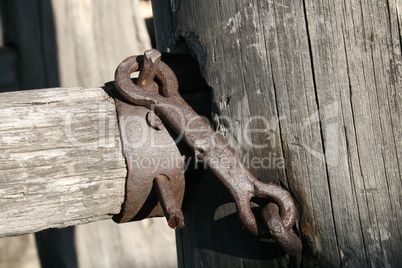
(163,98)
(155,180)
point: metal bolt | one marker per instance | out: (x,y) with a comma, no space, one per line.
(152,58)
(154,121)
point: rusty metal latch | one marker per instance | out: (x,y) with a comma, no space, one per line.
(156,95)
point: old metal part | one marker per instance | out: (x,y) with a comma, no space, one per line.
(151,62)
(154,120)
(282,234)
(151,154)
(171,206)
(207,145)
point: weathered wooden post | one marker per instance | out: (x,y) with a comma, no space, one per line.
(309,94)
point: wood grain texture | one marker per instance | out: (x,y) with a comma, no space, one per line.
(60,159)
(324,80)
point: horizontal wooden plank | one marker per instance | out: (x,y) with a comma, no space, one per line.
(60,159)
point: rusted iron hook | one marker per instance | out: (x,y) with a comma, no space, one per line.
(209,147)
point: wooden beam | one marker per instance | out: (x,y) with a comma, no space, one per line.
(60,159)
(322,80)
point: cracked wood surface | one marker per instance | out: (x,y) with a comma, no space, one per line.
(322,80)
(60,159)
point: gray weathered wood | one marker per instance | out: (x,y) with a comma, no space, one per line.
(94,36)
(60,159)
(324,77)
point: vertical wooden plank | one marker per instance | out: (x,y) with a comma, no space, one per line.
(356,69)
(93,37)
(8,69)
(29,28)
(214,235)
(18,252)
(321,80)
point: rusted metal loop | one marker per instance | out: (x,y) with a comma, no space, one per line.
(243,186)
(280,196)
(137,95)
(284,236)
